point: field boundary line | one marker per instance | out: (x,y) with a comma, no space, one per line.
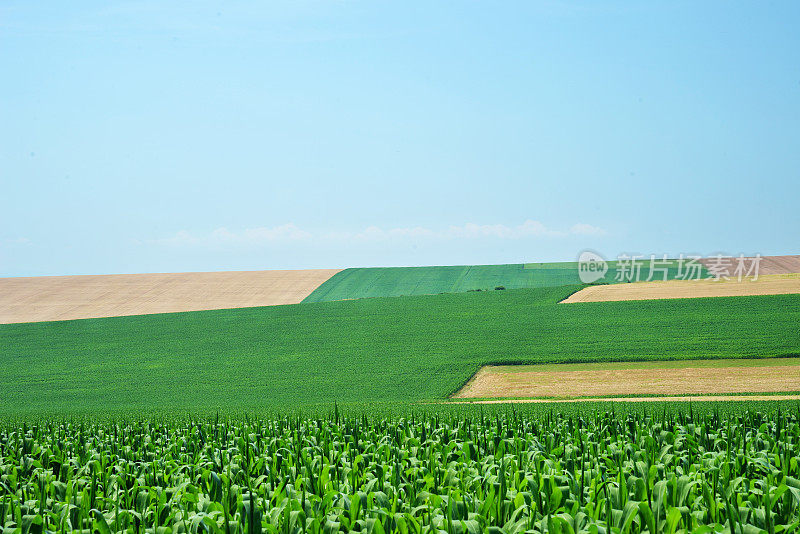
(671,398)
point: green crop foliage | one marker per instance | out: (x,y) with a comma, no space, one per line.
(402,281)
(592,473)
(361,352)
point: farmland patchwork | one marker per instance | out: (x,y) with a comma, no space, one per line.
(113,424)
(380,350)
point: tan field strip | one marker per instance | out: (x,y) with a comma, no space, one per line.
(683,378)
(684,398)
(771,284)
(58,298)
(768,264)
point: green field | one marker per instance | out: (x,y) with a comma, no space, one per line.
(594,472)
(402,281)
(366,352)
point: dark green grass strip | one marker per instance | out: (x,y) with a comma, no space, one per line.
(362,351)
(669,364)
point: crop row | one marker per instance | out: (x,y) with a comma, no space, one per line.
(595,473)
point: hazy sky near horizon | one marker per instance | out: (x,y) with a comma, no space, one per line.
(148,136)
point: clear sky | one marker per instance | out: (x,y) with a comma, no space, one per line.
(151,136)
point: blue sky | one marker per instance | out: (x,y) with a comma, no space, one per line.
(150,136)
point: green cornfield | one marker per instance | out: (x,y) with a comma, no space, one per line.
(560,473)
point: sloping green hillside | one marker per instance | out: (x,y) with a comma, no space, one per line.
(394,350)
(402,281)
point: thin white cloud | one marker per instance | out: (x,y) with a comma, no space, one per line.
(17,240)
(249,236)
(287,233)
(527,229)
(586,229)
(375,233)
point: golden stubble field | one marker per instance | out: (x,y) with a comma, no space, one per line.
(771,284)
(682,378)
(58,298)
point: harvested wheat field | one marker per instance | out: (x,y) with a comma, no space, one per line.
(58,298)
(698,377)
(772,284)
(767,265)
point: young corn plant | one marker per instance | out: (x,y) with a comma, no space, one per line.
(597,473)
